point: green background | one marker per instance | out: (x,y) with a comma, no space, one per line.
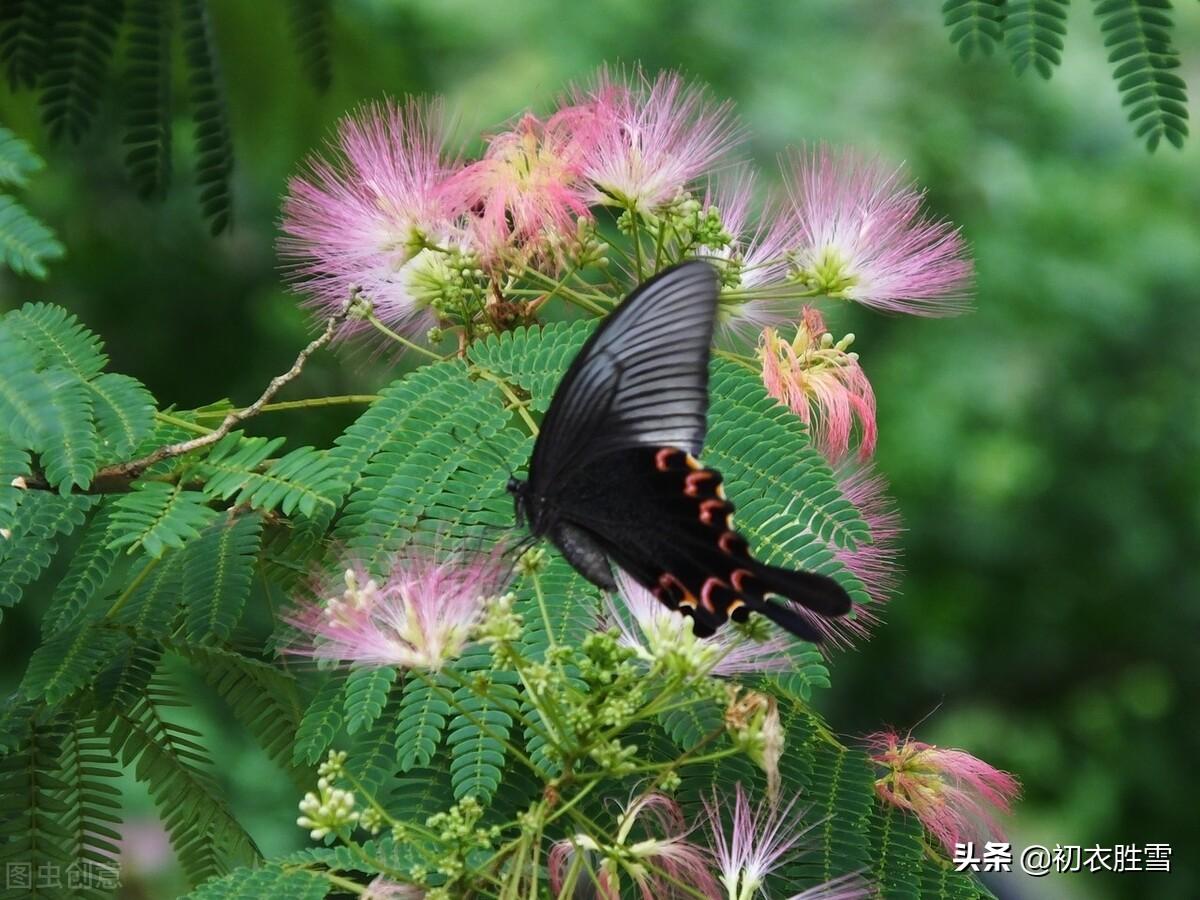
(1043,449)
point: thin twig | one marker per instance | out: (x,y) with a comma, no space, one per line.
(135,467)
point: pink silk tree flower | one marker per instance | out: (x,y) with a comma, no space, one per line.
(654,631)
(754,844)
(955,795)
(821,381)
(877,564)
(863,237)
(753,262)
(360,221)
(420,617)
(526,193)
(382,888)
(664,865)
(652,138)
(850,886)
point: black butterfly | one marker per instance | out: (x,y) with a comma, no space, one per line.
(614,480)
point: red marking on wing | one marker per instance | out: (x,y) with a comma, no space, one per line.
(739,578)
(677,590)
(710,508)
(694,484)
(733,543)
(711,583)
(663,458)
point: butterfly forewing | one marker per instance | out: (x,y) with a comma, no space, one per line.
(640,380)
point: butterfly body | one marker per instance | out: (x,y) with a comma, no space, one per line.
(614,478)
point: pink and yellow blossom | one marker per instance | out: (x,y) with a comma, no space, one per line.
(956,796)
(420,615)
(663,865)
(652,138)
(821,381)
(654,631)
(862,236)
(357,222)
(526,193)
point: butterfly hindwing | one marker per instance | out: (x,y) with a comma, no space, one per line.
(664,518)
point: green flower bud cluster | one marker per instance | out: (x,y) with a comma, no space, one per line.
(450,282)
(827,273)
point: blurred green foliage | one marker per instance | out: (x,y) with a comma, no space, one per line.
(1043,449)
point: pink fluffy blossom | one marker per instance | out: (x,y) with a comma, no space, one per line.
(955,795)
(421,615)
(359,220)
(821,381)
(652,138)
(526,193)
(651,629)
(754,262)
(875,564)
(756,841)
(863,237)
(659,859)
(382,888)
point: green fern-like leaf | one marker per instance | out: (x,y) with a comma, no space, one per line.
(532,358)
(975,25)
(367,693)
(87,571)
(148,102)
(26,245)
(91,803)
(272,882)
(17,159)
(124,414)
(207,838)
(840,784)
(310,25)
(260,696)
(320,722)
(1034,32)
(14,465)
(218,568)
(373,756)
(1143,54)
(39,521)
(939,881)
(67,438)
(79,54)
(23,31)
(477,732)
(57,338)
(65,662)
(897,851)
(214,146)
(156,516)
(444,449)
(421,721)
(300,481)
(32,830)
(55,401)
(150,604)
